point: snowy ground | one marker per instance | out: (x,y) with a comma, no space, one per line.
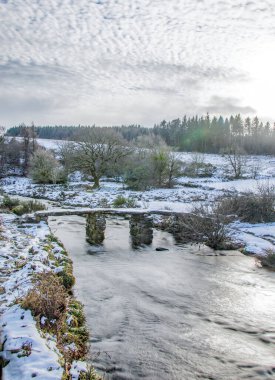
(27,353)
(257,239)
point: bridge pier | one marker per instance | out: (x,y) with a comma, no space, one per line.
(95,228)
(141,230)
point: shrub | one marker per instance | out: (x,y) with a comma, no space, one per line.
(198,168)
(156,168)
(72,334)
(252,208)
(76,310)
(9,202)
(103,202)
(46,169)
(138,174)
(204,225)
(47,298)
(67,277)
(21,207)
(121,201)
(268,260)
(89,374)
(28,207)
(202,170)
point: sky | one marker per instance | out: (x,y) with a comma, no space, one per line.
(112,62)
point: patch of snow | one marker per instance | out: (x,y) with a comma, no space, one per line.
(19,329)
(77,368)
(256,238)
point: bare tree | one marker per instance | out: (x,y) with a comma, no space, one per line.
(10,155)
(174,168)
(236,158)
(2,146)
(29,145)
(94,152)
(33,137)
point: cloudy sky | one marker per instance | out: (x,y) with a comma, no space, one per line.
(135,61)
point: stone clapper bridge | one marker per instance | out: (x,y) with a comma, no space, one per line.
(141,222)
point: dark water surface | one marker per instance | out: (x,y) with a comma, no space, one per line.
(179,314)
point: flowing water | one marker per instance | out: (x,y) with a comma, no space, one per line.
(186,313)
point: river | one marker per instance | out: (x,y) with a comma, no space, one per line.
(185,313)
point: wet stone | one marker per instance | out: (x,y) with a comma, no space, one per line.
(141,230)
(95,228)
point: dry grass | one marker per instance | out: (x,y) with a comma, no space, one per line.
(48,298)
(204,225)
(250,207)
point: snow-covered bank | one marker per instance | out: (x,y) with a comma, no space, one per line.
(22,256)
(27,351)
(257,239)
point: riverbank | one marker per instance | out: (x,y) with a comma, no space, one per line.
(30,346)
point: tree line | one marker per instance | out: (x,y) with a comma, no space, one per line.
(103,152)
(96,153)
(203,134)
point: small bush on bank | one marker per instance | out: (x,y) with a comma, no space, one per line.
(203,225)
(268,261)
(121,201)
(67,277)
(251,208)
(89,374)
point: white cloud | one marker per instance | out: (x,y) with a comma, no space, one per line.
(127,61)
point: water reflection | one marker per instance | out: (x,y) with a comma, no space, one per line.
(178,314)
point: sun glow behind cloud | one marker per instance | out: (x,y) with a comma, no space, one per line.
(262,84)
(127,61)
